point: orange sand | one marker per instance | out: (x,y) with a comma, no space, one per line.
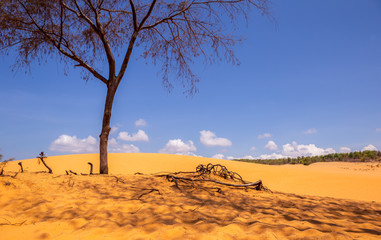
(320,201)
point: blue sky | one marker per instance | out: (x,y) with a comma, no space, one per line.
(308,84)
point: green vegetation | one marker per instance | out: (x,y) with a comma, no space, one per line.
(365,156)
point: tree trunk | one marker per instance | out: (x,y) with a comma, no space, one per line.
(103,168)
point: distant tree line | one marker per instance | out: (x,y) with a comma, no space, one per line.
(364,156)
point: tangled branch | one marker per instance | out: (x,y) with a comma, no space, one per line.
(212,173)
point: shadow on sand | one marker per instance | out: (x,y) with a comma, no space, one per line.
(153,204)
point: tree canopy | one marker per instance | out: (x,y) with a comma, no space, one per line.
(90,33)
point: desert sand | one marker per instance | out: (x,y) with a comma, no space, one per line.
(320,201)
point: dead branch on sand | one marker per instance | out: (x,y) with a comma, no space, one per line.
(207,174)
(22,169)
(91,168)
(2,165)
(41,157)
(148,190)
(12,224)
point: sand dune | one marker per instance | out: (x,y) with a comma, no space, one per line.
(356,181)
(320,201)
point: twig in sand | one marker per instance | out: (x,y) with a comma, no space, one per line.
(41,157)
(91,168)
(150,191)
(22,169)
(13,224)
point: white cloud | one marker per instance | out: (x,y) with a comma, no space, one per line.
(378,129)
(115,147)
(140,123)
(310,131)
(139,136)
(218,156)
(345,150)
(271,156)
(370,147)
(295,150)
(177,146)
(72,144)
(114,129)
(265,135)
(253,148)
(230,158)
(209,139)
(271,146)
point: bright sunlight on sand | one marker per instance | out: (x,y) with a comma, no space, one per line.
(320,201)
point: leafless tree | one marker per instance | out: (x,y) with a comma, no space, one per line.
(90,33)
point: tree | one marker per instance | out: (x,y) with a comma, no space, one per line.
(89,33)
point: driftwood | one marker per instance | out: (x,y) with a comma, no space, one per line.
(41,157)
(22,169)
(208,174)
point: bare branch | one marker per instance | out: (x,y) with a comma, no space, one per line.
(115,11)
(85,17)
(147,15)
(106,44)
(58,46)
(127,57)
(135,21)
(171,16)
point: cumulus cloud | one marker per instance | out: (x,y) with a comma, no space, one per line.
(271,156)
(177,146)
(253,148)
(139,136)
(114,129)
(345,150)
(140,123)
(209,139)
(271,146)
(370,147)
(72,144)
(310,131)
(218,156)
(265,135)
(115,147)
(295,150)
